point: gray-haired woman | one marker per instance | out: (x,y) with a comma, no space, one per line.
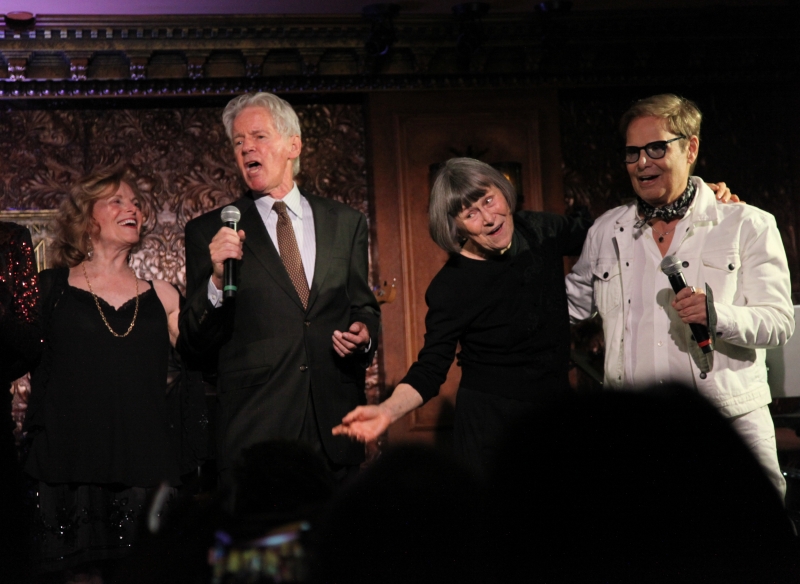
(501,296)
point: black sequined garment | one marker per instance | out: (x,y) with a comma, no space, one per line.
(20,335)
(20,346)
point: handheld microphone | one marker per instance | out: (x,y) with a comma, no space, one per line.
(230,217)
(671,266)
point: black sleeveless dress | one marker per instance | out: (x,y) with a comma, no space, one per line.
(98,424)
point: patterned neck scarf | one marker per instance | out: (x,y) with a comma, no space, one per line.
(675,210)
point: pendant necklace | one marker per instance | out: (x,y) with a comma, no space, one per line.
(103,316)
(661,236)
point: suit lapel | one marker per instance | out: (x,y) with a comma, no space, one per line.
(324,234)
(259,244)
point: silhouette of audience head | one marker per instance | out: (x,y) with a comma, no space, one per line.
(275,483)
(414,515)
(652,486)
(280,478)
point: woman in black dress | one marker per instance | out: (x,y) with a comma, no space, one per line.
(97,416)
(501,297)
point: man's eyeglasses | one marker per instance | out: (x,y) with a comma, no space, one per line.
(654,150)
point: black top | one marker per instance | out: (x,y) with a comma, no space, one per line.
(508,313)
(97,411)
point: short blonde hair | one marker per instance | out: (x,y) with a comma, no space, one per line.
(74,223)
(682,115)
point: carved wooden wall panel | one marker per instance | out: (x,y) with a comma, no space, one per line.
(193,55)
(180,156)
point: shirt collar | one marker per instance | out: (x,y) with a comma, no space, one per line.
(292,200)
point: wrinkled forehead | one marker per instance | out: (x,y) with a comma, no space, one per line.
(252,119)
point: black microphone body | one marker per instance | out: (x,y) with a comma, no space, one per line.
(230,218)
(671,266)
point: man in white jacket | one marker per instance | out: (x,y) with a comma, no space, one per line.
(731,256)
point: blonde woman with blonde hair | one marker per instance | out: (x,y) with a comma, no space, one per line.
(100,438)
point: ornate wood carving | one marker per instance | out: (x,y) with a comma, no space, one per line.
(86,56)
(181,158)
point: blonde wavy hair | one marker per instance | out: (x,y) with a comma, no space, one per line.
(74,224)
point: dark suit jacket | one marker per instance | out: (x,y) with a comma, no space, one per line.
(270,353)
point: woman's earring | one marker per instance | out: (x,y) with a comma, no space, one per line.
(90,251)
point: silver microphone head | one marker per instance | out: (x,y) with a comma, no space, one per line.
(671,265)
(231,214)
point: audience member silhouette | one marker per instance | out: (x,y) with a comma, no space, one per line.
(649,487)
(414,516)
(637,487)
(277,482)
(274,483)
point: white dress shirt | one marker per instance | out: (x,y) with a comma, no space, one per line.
(299,211)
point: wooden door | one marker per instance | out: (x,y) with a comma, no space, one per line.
(408,132)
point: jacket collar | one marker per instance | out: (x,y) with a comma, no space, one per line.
(704,209)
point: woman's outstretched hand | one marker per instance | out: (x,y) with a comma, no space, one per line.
(365,423)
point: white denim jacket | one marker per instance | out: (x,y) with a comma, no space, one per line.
(734,250)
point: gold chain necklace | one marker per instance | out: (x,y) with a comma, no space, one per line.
(103,316)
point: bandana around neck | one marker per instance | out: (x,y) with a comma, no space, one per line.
(675,210)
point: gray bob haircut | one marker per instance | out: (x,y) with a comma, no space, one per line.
(459,183)
(283,116)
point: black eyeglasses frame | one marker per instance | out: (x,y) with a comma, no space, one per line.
(661,144)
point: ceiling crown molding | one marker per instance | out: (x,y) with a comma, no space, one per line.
(180,55)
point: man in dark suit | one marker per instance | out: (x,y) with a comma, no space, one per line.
(292,347)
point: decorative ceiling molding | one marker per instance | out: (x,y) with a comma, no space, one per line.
(62,56)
